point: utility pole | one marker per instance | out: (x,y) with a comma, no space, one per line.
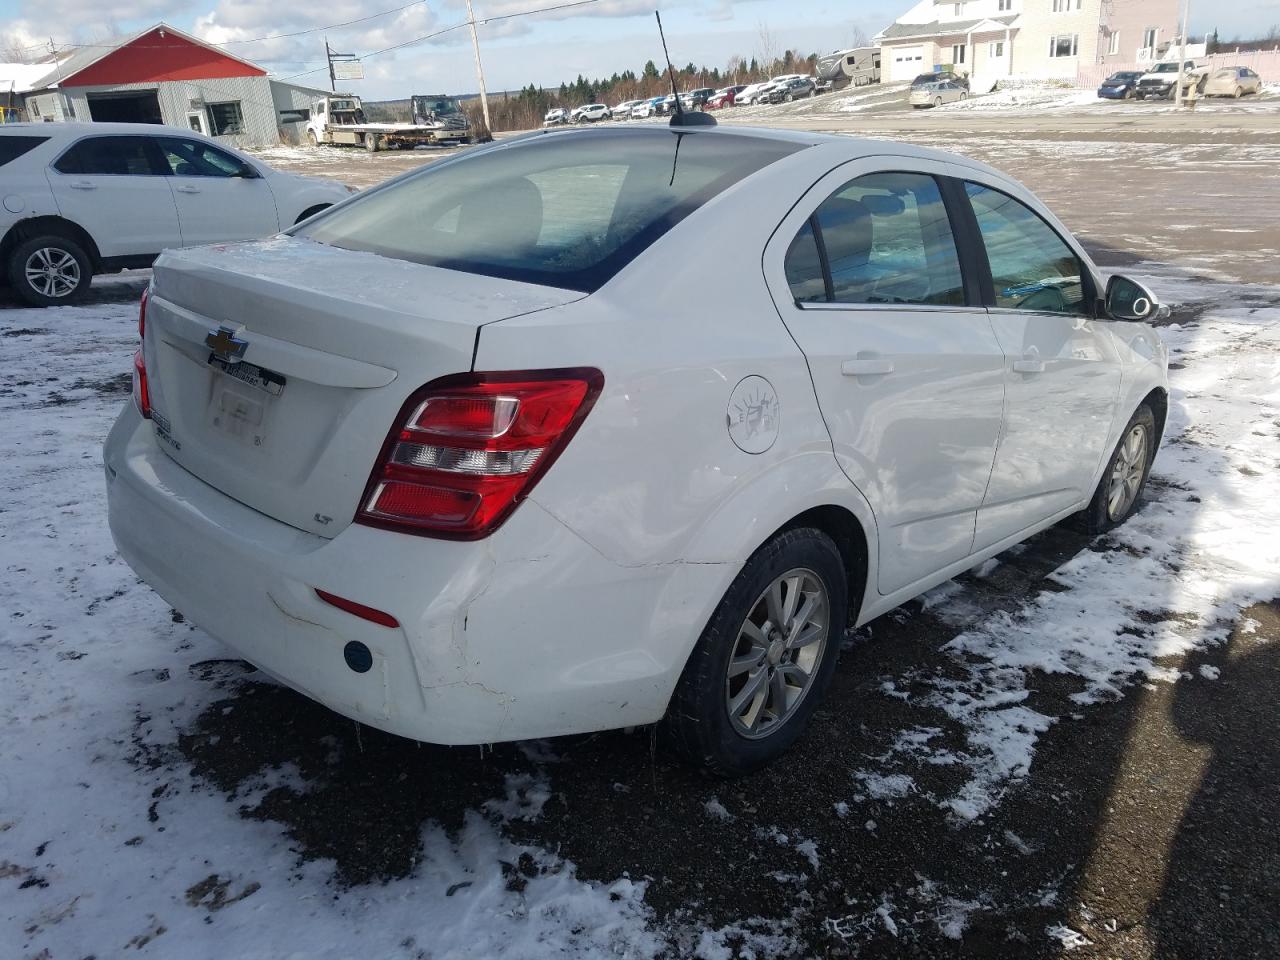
(328,58)
(1182,56)
(475,43)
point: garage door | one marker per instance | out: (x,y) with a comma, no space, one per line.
(906,62)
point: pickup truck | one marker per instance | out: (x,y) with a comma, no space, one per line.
(1158,82)
(341,120)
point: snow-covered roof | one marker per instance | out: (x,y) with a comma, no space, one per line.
(21,77)
(945,28)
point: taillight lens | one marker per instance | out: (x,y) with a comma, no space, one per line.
(141,396)
(465,450)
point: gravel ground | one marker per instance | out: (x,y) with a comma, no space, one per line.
(230,816)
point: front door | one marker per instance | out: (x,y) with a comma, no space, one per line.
(1063,375)
(117,189)
(216,203)
(909,375)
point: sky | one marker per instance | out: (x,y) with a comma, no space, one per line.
(594,40)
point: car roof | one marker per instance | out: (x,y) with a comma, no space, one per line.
(79,129)
(853,147)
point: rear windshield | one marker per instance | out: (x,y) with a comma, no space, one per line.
(12,147)
(563,211)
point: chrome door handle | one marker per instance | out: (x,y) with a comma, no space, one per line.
(185,188)
(83,185)
(866,367)
(1028,366)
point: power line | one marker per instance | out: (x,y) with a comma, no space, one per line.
(456,26)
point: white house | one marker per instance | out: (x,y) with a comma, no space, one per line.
(991,40)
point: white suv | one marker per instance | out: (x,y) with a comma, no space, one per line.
(590,113)
(571,484)
(86,198)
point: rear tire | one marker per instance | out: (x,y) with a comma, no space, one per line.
(49,271)
(1125,478)
(937,102)
(765,659)
(1238,93)
(372,143)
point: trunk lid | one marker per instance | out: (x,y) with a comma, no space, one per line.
(334,341)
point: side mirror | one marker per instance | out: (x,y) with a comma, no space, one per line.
(248,173)
(1129,300)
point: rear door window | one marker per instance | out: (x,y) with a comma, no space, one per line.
(886,239)
(562,211)
(11,147)
(112,156)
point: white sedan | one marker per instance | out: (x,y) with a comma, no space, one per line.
(86,198)
(568,484)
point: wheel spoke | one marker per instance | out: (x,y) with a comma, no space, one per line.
(752,688)
(810,634)
(753,633)
(773,601)
(789,604)
(740,665)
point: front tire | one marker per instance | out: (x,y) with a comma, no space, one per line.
(765,659)
(49,271)
(1120,489)
(937,102)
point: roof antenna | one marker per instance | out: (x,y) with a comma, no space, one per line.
(681,119)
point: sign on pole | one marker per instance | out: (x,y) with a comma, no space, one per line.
(348,70)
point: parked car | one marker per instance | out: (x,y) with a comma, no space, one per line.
(442,514)
(1120,86)
(89,198)
(696,99)
(793,89)
(937,93)
(750,94)
(1160,82)
(725,97)
(941,76)
(1232,82)
(555,117)
(647,108)
(623,110)
(590,113)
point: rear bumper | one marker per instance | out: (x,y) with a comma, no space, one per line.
(529,633)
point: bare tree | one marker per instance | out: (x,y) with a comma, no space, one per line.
(766,47)
(859,39)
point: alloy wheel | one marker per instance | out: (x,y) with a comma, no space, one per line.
(777,653)
(52,272)
(1127,473)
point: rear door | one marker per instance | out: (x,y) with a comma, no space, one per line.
(117,188)
(867,276)
(216,202)
(1063,374)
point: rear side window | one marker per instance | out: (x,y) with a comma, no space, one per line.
(886,239)
(11,148)
(1031,266)
(561,211)
(112,156)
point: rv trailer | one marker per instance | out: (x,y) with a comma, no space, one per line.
(856,67)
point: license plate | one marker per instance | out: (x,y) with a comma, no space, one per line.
(250,374)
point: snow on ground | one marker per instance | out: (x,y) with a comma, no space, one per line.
(1178,574)
(110,840)
(102,846)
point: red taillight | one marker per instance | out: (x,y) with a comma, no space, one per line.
(465,450)
(141,397)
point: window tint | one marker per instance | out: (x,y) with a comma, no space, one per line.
(888,240)
(803,266)
(1032,267)
(191,158)
(567,212)
(11,148)
(115,156)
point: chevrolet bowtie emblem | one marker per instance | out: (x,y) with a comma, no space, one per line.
(225,344)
